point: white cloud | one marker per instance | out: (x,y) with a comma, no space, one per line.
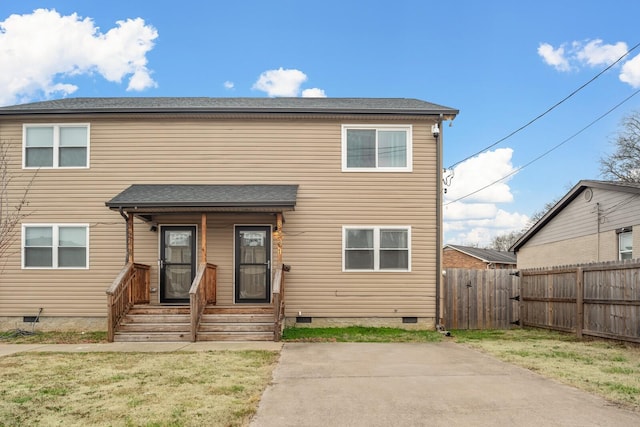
(592,53)
(595,53)
(40,49)
(229,85)
(477,219)
(281,82)
(481,171)
(630,72)
(314,93)
(465,211)
(287,82)
(554,57)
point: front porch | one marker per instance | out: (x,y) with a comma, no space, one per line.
(190,310)
(132,318)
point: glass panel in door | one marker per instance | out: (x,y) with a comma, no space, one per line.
(177,263)
(253,264)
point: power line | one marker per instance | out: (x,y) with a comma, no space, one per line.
(548,110)
(548,151)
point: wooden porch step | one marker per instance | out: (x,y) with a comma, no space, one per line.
(152,337)
(237,309)
(157,318)
(150,323)
(155,327)
(154,323)
(235,327)
(235,336)
(236,318)
(159,310)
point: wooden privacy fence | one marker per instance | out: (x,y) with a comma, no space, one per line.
(601,300)
(480,299)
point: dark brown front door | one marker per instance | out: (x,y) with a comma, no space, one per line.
(253,264)
(177,263)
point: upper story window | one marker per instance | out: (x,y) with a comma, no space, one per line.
(55,246)
(625,244)
(56,146)
(376,148)
(376,248)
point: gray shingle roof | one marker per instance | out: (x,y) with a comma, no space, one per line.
(232,105)
(175,196)
(486,255)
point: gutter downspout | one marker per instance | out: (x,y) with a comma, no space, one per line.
(126,223)
(438,139)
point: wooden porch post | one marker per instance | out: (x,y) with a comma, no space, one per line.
(278,237)
(130,238)
(203,239)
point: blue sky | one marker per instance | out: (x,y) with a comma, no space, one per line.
(501,63)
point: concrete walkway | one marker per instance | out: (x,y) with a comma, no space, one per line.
(145,347)
(439,384)
(358,384)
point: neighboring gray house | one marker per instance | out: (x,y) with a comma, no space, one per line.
(593,222)
(456,256)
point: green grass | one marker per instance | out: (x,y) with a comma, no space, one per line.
(72,337)
(518,335)
(359,334)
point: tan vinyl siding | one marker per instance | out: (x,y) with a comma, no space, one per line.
(207,150)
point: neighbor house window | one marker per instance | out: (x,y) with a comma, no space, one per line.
(56,146)
(55,246)
(376,148)
(625,243)
(376,248)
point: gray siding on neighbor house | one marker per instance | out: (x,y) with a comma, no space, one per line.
(209,149)
(580,217)
(584,230)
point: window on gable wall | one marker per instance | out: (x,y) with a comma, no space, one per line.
(55,246)
(56,146)
(625,243)
(376,148)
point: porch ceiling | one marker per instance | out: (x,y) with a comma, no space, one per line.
(173,198)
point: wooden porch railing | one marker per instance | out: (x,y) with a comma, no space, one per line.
(278,301)
(130,287)
(202,292)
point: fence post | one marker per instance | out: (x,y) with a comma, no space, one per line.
(579,301)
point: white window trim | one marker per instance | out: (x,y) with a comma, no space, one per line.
(406,128)
(55,241)
(376,247)
(620,251)
(56,144)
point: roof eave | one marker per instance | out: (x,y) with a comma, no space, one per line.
(446,114)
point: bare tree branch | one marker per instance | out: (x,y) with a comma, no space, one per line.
(11,211)
(624,163)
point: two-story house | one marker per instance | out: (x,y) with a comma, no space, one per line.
(190,207)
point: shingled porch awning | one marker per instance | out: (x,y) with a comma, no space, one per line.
(144,200)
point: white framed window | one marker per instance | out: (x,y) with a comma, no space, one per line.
(377,148)
(625,244)
(55,246)
(55,145)
(379,248)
